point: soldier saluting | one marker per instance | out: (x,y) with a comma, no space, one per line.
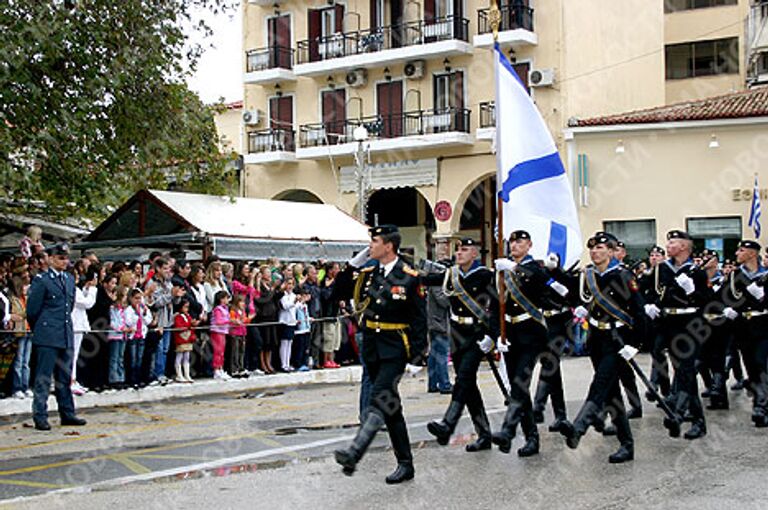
(611,301)
(390,301)
(474,323)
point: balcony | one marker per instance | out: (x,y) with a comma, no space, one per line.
(421,129)
(423,39)
(275,145)
(487,125)
(269,65)
(516,28)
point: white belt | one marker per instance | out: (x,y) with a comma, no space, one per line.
(754,313)
(680,311)
(517,318)
(605,325)
(462,320)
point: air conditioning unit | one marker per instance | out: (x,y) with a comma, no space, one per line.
(414,70)
(252,117)
(357,78)
(541,77)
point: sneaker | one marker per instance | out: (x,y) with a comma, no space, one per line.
(29,393)
(256,372)
(79,387)
(331,364)
(20,395)
(303,368)
(225,376)
(156,382)
(77,390)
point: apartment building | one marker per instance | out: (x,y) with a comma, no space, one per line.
(418,75)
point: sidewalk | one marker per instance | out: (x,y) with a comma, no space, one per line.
(13,406)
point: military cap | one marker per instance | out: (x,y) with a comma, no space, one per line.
(658,250)
(678,234)
(621,244)
(381,230)
(600,238)
(752,245)
(728,262)
(519,234)
(468,241)
(708,254)
(59,249)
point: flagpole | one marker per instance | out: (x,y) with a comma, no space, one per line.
(494,16)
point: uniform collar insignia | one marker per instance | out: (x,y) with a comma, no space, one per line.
(527,259)
(475,266)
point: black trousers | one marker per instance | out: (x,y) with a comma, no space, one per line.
(659,363)
(526,343)
(628,381)
(715,348)
(385,398)
(685,334)
(465,390)
(550,377)
(52,363)
(752,340)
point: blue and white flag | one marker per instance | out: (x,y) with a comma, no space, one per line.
(531,179)
(754,211)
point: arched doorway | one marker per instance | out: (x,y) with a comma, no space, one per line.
(298,195)
(409,210)
(478,216)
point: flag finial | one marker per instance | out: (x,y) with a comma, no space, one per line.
(494,17)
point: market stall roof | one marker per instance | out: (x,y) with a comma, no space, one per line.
(237,228)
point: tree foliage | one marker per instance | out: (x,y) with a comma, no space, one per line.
(93,104)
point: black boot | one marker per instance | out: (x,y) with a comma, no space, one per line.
(503,438)
(483,429)
(635,413)
(673,426)
(443,429)
(540,400)
(557,424)
(625,453)
(573,431)
(531,446)
(697,430)
(349,457)
(402,473)
(719,395)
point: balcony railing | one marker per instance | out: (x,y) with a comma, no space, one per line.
(269,58)
(512,18)
(488,114)
(390,126)
(384,38)
(271,140)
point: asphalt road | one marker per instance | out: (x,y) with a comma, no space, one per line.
(273,450)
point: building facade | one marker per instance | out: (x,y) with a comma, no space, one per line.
(419,77)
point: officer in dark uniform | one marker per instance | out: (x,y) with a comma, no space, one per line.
(557,313)
(390,300)
(474,320)
(716,345)
(526,283)
(746,306)
(612,303)
(680,293)
(49,312)
(655,340)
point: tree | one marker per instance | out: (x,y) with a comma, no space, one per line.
(93,104)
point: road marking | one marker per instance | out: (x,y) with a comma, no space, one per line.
(26,483)
(126,461)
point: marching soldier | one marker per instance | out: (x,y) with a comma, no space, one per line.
(612,303)
(659,363)
(388,296)
(746,305)
(715,347)
(680,292)
(626,375)
(526,283)
(474,323)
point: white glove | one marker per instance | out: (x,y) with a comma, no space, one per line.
(652,311)
(580,312)
(360,259)
(757,291)
(504,265)
(628,352)
(559,288)
(729,313)
(552,261)
(502,346)
(686,283)
(486,344)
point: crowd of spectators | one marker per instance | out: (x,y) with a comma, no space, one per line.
(172,320)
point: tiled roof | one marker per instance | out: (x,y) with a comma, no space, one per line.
(236,105)
(749,103)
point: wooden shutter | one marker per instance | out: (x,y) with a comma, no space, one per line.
(279,28)
(429,10)
(457,101)
(313,30)
(334,113)
(375,21)
(522,71)
(339,17)
(389,100)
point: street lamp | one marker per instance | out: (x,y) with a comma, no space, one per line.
(360,134)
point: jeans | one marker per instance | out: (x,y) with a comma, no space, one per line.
(135,350)
(437,363)
(162,353)
(116,361)
(21,364)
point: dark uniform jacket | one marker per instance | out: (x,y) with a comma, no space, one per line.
(735,294)
(667,293)
(532,281)
(480,284)
(49,309)
(395,299)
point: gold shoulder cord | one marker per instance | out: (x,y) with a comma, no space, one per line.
(446,281)
(659,290)
(360,306)
(583,292)
(736,293)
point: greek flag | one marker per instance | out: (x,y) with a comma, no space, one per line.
(535,191)
(754,211)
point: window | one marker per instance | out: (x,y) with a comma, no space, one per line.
(327,22)
(686,5)
(443,8)
(702,58)
(638,236)
(762,63)
(719,234)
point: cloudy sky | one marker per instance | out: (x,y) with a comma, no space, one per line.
(219,71)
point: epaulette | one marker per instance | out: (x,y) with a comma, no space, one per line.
(367,269)
(409,270)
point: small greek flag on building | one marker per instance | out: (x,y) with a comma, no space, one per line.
(532,183)
(754,210)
